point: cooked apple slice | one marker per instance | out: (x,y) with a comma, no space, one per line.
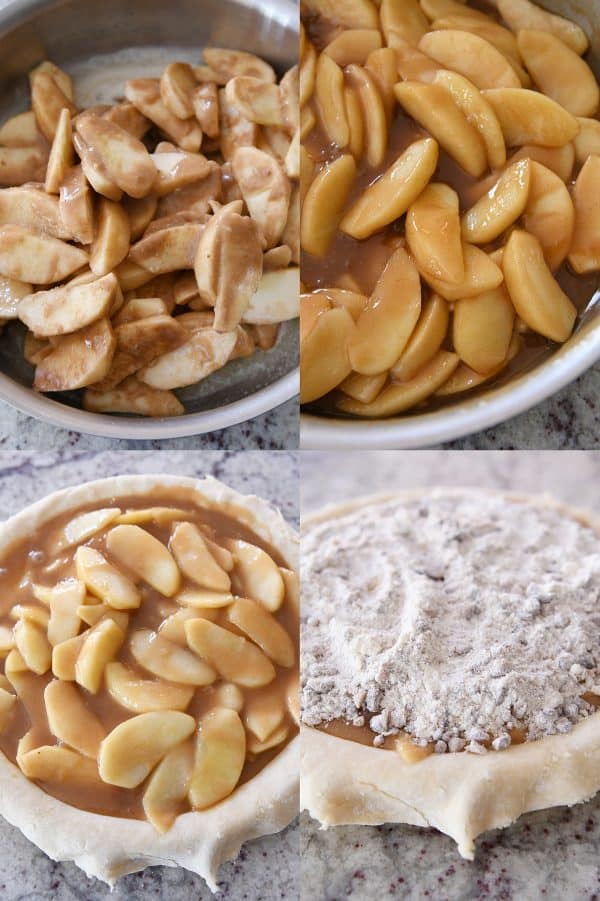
(36,258)
(220,758)
(125,158)
(481,275)
(500,207)
(32,644)
(529,117)
(501,38)
(178,169)
(471,56)
(559,72)
(324,361)
(434,108)
(145,695)
(324,203)
(277,298)
(55,763)
(234,658)
(364,388)
(479,113)
(85,525)
(7,704)
(424,343)
(263,629)
(464,378)
(353,45)
(71,720)
(521,14)
(62,156)
(390,196)
(99,647)
(65,599)
(482,329)
(412,64)
(404,18)
(584,255)
(329,92)
(373,112)
(78,359)
(257,575)
(144,94)
(536,295)
(264,714)
(105,581)
(435,9)
(133,748)
(176,85)
(204,599)
(385,326)
(95,171)
(558,159)
(401,396)
(256,747)
(168,787)
(195,559)
(168,661)
(226,64)
(146,556)
(433,233)
(66,309)
(550,214)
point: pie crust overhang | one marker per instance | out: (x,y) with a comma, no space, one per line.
(463,795)
(109,847)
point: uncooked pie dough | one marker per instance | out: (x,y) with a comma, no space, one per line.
(148,686)
(457,634)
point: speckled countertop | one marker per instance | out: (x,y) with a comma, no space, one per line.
(545,855)
(267,868)
(274,430)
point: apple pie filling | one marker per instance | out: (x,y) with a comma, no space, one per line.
(148,656)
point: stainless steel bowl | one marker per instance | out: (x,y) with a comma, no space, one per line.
(70,33)
(487,406)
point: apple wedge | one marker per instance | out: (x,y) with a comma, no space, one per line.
(132,396)
(390,196)
(388,318)
(535,293)
(78,359)
(433,233)
(66,309)
(528,117)
(39,259)
(434,108)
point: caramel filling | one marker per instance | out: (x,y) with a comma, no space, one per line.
(154,682)
(356,264)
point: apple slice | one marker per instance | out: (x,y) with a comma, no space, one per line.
(535,293)
(67,309)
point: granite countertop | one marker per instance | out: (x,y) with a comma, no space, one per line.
(267,868)
(275,430)
(552,854)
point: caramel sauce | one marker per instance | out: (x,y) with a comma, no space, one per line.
(350,261)
(34,561)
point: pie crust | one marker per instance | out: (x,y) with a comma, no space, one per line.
(109,847)
(463,795)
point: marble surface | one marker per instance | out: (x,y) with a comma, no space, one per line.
(267,868)
(275,430)
(570,419)
(545,855)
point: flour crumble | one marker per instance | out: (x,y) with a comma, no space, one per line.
(454,616)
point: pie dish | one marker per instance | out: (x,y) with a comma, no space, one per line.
(115,713)
(345,779)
